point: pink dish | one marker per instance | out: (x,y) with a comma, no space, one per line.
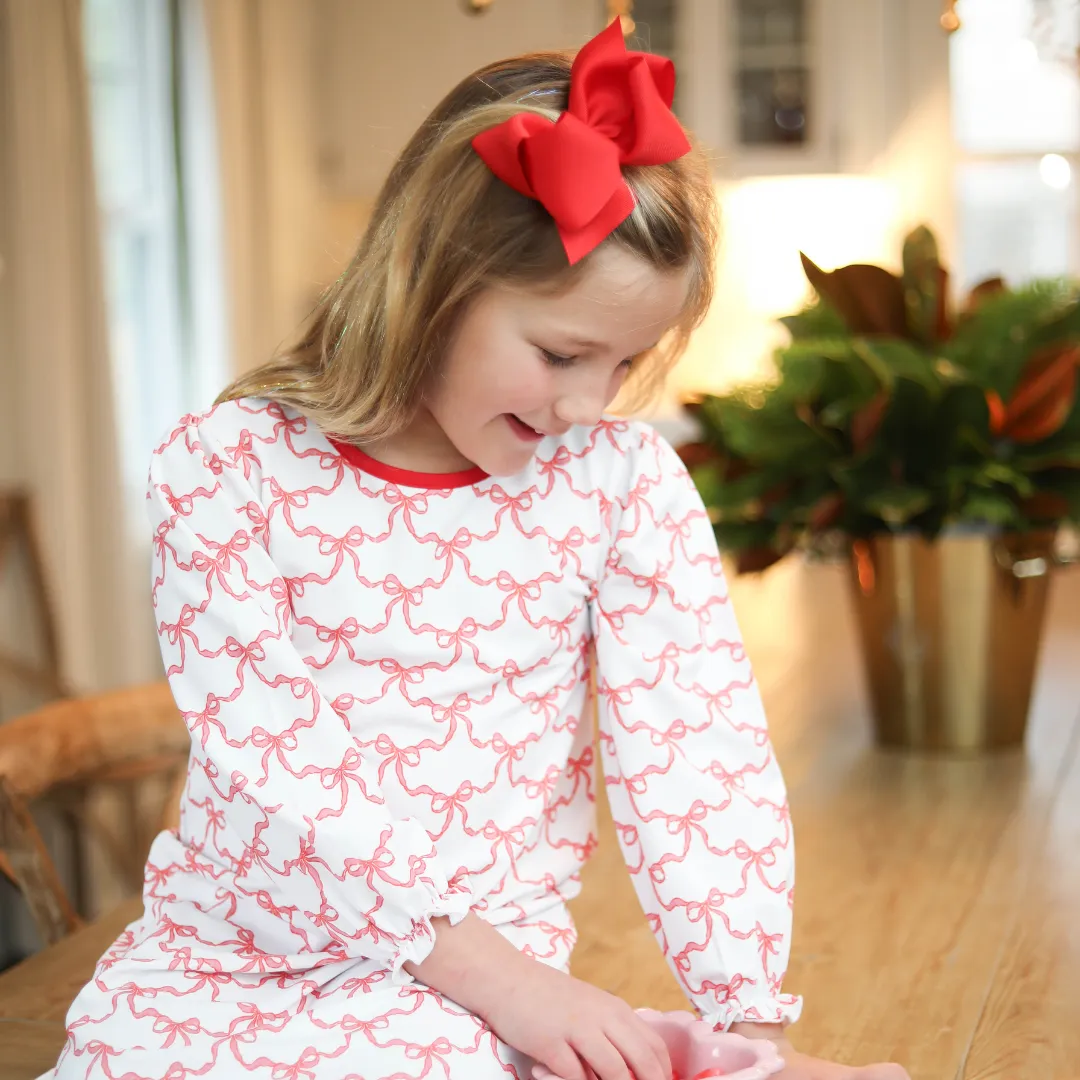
(699,1053)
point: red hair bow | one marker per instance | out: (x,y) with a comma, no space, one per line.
(619,114)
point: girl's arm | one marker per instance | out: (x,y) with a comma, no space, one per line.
(294,826)
(695,791)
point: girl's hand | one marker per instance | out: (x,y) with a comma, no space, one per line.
(573,1027)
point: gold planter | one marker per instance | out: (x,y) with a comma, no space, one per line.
(950,633)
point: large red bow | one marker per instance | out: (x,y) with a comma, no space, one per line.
(619,114)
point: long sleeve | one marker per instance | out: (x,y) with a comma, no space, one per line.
(695,791)
(296,825)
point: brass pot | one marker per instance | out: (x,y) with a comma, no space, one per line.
(950,635)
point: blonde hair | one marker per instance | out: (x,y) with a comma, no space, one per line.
(444,229)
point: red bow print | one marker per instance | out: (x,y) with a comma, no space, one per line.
(619,114)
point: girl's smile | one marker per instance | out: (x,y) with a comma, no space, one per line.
(523,431)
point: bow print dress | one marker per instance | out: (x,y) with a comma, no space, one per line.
(386,679)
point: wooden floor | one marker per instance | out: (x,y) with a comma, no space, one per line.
(937,913)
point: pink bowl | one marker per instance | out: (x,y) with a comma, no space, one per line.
(698,1051)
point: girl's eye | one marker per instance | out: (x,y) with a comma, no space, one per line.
(555,360)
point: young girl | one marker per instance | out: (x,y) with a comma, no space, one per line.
(382,566)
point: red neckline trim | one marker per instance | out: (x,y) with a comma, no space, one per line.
(406,477)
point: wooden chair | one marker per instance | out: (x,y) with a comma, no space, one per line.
(17,528)
(68,749)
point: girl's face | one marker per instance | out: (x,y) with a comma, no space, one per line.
(524,365)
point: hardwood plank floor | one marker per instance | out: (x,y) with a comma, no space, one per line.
(1029,1025)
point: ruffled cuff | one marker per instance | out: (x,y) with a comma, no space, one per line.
(781,1009)
(454,903)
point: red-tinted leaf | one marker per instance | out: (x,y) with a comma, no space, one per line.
(865,572)
(735,469)
(866,422)
(868,298)
(989,287)
(996,408)
(1044,396)
(776,493)
(1045,506)
(1041,422)
(826,511)
(697,453)
(754,560)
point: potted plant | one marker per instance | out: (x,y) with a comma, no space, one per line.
(940,450)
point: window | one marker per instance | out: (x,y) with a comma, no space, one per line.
(152,122)
(1015,73)
(772,71)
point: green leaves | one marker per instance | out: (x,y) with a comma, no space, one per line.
(994,343)
(887,413)
(891,360)
(992,509)
(771,431)
(896,506)
(817,321)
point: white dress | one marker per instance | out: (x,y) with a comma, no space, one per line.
(385,675)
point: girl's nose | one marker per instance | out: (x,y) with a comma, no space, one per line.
(585,394)
(585,408)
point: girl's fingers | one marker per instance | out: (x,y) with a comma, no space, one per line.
(661,1051)
(601,1055)
(643,1051)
